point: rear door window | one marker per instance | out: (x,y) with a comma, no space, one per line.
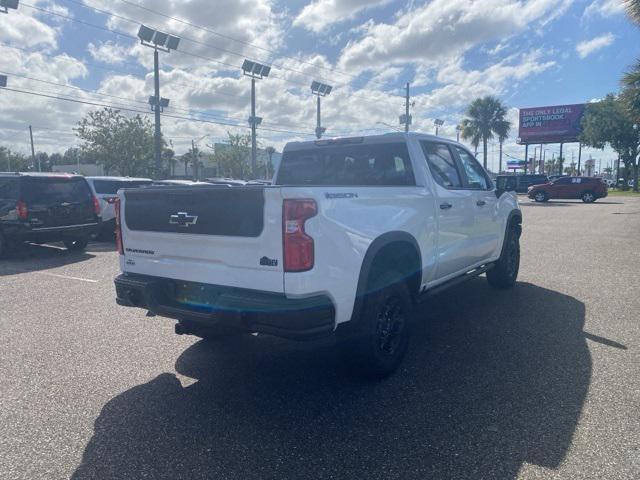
(442,164)
(356,165)
(53,190)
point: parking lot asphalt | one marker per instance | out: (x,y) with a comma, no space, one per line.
(542,381)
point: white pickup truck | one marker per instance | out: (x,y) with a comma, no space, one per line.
(350,234)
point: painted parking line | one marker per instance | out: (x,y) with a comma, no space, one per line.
(68,277)
(49,274)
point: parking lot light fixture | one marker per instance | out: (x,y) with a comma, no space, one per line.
(163,42)
(257,71)
(320,90)
(438,123)
(5,5)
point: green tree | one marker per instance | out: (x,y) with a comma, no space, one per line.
(609,122)
(486,117)
(122,145)
(233,160)
(169,161)
(13,162)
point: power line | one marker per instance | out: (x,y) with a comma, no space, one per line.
(144,112)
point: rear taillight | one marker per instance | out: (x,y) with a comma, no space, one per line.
(297,245)
(96,205)
(118,232)
(22,210)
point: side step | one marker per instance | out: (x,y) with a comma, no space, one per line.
(454,281)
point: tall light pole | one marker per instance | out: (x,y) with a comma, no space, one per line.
(255,71)
(438,123)
(405,119)
(33,151)
(320,90)
(458,130)
(163,42)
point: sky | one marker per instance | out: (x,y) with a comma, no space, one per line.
(527,53)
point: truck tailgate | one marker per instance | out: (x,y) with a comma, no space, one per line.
(208,234)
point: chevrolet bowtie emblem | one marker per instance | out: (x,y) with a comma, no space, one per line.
(183,219)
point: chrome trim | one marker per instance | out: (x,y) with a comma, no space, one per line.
(64,227)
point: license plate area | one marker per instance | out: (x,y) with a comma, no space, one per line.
(197,296)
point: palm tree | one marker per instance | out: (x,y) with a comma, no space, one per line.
(633,10)
(631,91)
(485,118)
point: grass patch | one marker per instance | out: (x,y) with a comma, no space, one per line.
(621,193)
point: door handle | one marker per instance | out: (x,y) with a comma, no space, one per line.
(445,206)
(481,203)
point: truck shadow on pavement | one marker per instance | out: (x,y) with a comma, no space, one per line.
(493,379)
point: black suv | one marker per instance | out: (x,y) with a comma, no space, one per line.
(39,207)
(520,183)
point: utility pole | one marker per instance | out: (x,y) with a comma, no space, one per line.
(318,126)
(560,160)
(255,71)
(254,152)
(579,156)
(319,90)
(165,42)
(33,151)
(406,111)
(157,139)
(194,159)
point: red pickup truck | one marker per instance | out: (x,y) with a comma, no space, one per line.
(588,189)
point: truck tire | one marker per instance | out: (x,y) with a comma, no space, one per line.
(505,271)
(384,328)
(3,246)
(76,244)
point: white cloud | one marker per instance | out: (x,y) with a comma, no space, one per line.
(604,8)
(443,29)
(588,47)
(109,52)
(319,14)
(245,27)
(460,86)
(24,29)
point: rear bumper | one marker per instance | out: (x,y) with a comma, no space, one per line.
(232,308)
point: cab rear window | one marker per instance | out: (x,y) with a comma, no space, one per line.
(354,165)
(56,190)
